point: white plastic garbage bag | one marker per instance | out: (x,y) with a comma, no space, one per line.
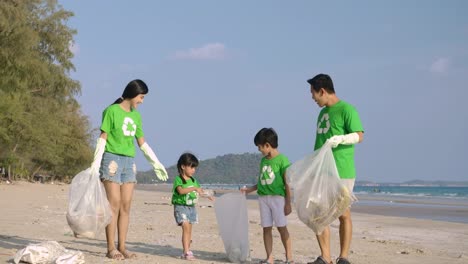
(231,214)
(319,195)
(89,211)
(49,252)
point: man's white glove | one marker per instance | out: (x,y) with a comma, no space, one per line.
(348,139)
(159,169)
(100,147)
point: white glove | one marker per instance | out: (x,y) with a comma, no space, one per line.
(159,169)
(348,139)
(100,147)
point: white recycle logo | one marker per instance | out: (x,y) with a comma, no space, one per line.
(129,127)
(323,130)
(267,176)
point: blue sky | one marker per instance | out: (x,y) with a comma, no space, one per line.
(218,71)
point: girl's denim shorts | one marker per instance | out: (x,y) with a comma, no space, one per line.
(183,213)
(117,168)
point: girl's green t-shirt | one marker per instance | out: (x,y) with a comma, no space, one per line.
(189,199)
(339,119)
(270,180)
(122,128)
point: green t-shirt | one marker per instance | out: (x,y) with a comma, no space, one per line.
(270,180)
(339,119)
(121,127)
(190,198)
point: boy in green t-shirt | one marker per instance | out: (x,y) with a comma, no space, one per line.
(339,123)
(273,190)
(185,193)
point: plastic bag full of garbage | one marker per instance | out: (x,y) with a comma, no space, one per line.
(319,195)
(231,215)
(89,211)
(49,252)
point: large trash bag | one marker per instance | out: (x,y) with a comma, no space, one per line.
(319,196)
(231,214)
(89,210)
(48,252)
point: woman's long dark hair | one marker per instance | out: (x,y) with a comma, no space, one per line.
(133,89)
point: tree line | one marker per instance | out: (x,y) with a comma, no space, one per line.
(42,128)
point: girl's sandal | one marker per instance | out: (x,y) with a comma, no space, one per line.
(188,256)
(115,254)
(128,255)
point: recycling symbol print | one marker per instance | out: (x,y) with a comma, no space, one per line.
(267,176)
(320,127)
(129,127)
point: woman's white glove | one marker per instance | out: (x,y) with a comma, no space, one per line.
(348,139)
(159,169)
(100,147)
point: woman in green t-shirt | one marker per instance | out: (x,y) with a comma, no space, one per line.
(114,162)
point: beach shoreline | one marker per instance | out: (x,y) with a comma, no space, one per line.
(36,212)
(439,209)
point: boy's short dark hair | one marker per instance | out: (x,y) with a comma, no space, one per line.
(322,81)
(266,135)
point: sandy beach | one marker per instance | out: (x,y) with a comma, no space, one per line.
(33,212)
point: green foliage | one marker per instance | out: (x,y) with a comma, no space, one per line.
(227,169)
(42,127)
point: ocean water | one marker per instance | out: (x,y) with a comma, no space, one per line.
(414,191)
(380,191)
(433,203)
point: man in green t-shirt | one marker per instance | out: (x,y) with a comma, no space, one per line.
(339,123)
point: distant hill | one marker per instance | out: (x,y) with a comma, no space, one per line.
(226,169)
(244,169)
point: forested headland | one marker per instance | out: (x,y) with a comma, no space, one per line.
(225,169)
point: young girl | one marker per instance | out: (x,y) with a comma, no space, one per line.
(114,161)
(185,193)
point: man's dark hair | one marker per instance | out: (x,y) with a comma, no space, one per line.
(266,135)
(322,81)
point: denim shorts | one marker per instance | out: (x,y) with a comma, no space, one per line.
(117,168)
(183,213)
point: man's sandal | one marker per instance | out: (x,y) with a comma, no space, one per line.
(115,254)
(342,261)
(320,260)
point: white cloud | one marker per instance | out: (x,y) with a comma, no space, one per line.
(210,51)
(440,65)
(74,48)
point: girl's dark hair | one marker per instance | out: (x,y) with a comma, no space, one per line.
(133,89)
(322,81)
(266,135)
(186,159)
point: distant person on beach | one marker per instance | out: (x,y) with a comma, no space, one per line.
(114,161)
(339,123)
(185,193)
(274,193)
